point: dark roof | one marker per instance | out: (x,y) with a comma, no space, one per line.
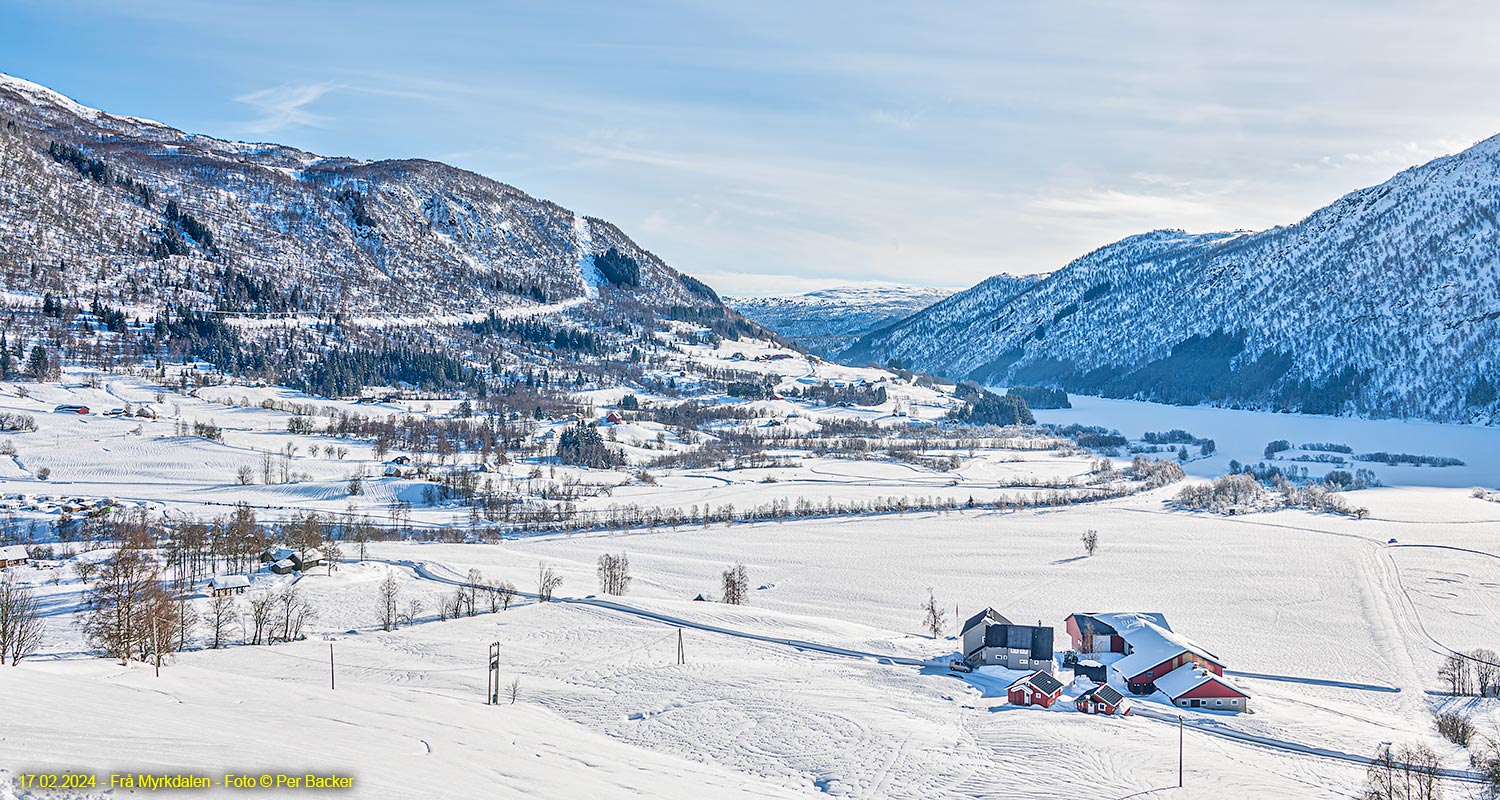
(988,614)
(1105,693)
(1099,628)
(1042,681)
(1036,639)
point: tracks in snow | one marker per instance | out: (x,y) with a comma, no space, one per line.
(1212,727)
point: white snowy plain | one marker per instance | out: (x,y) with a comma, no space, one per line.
(823,684)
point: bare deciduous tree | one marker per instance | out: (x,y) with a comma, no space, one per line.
(389,596)
(1455,671)
(513,690)
(1086,636)
(1409,773)
(935,618)
(20,622)
(1486,672)
(1090,541)
(116,602)
(470,591)
(502,594)
(736,585)
(262,612)
(547,581)
(223,611)
(412,612)
(614,574)
(294,610)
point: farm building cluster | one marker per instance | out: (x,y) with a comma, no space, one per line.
(1112,655)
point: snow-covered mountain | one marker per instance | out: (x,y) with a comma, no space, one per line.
(1385,303)
(828,320)
(94,204)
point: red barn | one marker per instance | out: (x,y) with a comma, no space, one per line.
(1036,689)
(1192,686)
(1102,699)
(1152,649)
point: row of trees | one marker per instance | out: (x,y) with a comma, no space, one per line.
(1473,673)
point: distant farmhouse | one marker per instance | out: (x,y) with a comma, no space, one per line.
(283,560)
(13,555)
(991,640)
(1157,658)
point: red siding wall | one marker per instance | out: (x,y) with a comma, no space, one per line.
(1213,689)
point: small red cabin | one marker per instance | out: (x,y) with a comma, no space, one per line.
(1036,689)
(1102,699)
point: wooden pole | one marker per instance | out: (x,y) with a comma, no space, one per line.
(681,656)
(330,666)
(1179,751)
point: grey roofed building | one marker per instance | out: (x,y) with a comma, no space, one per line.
(989,639)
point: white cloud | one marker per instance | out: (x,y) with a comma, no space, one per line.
(285,106)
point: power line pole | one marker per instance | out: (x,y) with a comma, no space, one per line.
(492,678)
(330,666)
(681,655)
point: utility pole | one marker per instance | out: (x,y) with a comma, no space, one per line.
(1179,751)
(330,666)
(681,655)
(492,678)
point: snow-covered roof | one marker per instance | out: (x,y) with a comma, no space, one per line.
(313,554)
(1188,677)
(285,563)
(229,582)
(13,552)
(1151,641)
(988,614)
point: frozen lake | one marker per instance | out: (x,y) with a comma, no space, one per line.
(1243,435)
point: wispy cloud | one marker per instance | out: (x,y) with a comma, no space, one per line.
(285,106)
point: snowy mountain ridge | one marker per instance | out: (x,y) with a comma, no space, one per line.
(1384,303)
(142,214)
(827,320)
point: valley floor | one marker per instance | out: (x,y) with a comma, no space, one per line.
(1334,631)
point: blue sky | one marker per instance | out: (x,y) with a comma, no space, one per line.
(769,147)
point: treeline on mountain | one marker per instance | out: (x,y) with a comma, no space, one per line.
(1199,369)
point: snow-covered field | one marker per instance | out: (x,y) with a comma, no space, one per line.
(823,684)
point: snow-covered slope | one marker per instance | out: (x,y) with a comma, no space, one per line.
(84,202)
(1386,302)
(826,321)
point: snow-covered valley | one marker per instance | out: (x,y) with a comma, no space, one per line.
(822,683)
